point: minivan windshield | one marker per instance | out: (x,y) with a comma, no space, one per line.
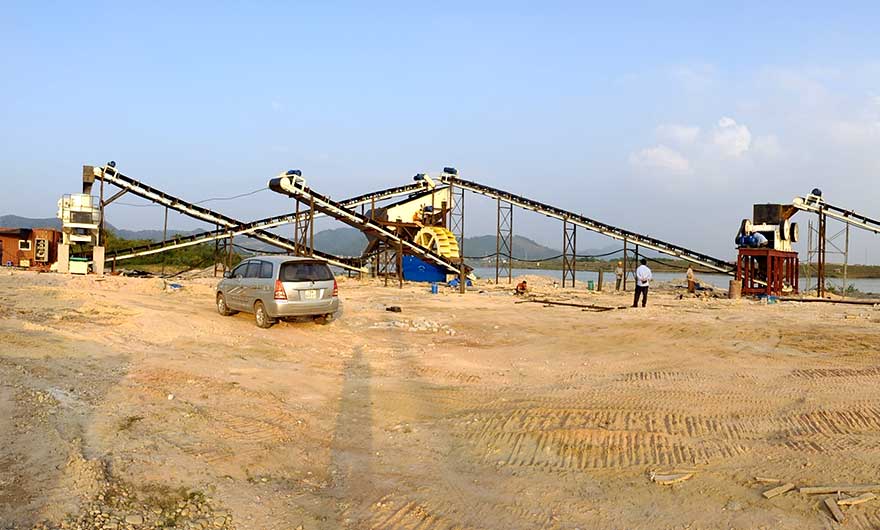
(305,271)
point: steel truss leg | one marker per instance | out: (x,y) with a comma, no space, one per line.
(823,221)
(456,216)
(304,230)
(504,242)
(569,252)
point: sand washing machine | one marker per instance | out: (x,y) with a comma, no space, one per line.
(422,219)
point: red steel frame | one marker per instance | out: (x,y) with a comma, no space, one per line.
(776,269)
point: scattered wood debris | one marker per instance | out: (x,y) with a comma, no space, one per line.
(667,479)
(852,501)
(778,490)
(591,307)
(766,480)
(864,488)
(831,504)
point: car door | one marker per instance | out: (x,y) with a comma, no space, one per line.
(266,283)
(233,287)
(251,285)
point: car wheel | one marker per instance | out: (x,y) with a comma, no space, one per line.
(261,316)
(222,308)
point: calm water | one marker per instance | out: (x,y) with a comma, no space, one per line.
(871,285)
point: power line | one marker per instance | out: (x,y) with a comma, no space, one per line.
(254,192)
(154,205)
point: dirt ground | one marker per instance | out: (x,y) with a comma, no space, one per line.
(124,404)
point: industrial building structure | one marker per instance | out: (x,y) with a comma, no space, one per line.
(420,236)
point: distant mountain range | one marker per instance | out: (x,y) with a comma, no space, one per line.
(339,241)
(15,221)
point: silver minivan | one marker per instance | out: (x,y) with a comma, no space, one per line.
(276,287)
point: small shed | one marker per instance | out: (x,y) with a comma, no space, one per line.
(33,248)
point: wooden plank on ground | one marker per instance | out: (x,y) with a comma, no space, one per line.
(767,480)
(778,490)
(831,504)
(852,501)
(674,478)
(571,304)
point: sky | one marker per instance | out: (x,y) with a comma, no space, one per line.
(669,119)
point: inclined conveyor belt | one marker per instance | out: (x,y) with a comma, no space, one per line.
(293,186)
(592,225)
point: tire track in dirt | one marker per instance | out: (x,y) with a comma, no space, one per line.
(578,439)
(658,375)
(570,437)
(836,373)
(414,516)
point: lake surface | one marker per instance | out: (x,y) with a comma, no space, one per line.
(867,285)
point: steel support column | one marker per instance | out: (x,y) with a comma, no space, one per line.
(399,262)
(504,242)
(216,249)
(823,221)
(164,236)
(845,260)
(456,215)
(303,230)
(101,226)
(569,252)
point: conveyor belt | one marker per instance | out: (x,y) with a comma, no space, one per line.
(595,226)
(815,204)
(293,187)
(247,228)
(112,176)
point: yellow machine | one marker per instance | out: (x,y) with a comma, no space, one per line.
(439,239)
(421,218)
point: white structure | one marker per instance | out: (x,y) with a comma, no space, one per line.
(80,216)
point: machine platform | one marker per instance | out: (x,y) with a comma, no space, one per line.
(767,271)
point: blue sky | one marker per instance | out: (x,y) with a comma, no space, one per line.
(669,119)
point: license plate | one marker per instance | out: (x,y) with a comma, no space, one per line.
(311,294)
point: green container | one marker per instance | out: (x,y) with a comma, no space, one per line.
(590,284)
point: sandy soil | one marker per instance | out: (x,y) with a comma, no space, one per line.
(123,401)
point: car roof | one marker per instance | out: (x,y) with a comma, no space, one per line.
(281,258)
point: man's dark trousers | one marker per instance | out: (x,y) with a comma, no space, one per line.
(643,292)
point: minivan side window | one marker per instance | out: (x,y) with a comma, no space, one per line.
(239,271)
(253,270)
(266,271)
(305,271)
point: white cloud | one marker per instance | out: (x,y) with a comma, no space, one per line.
(767,146)
(732,139)
(661,158)
(678,134)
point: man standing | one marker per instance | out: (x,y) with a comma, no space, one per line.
(643,278)
(618,272)
(692,284)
